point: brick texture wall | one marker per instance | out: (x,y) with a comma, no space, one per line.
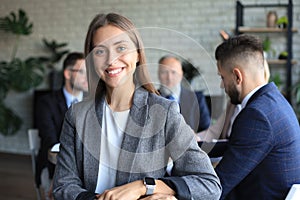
(188,28)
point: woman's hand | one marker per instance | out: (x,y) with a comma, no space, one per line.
(135,190)
(130,191)
(159,197)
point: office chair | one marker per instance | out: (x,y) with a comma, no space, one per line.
(34,145)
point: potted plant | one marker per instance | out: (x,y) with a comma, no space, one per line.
(56,51)
(189,70)
(269,52)
(17,74)
(282,22)
(296,90)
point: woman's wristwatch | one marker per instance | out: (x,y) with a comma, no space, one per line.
(150,185)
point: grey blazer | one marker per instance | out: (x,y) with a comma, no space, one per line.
(155,132)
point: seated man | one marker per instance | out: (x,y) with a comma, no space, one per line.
(51,108)
(192,104)
(222,127)
(262,160)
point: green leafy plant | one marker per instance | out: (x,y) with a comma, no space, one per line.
(18,25)
(22,75)
(283,55)
(17,74)
(56,52)
(189,70)
(282,22)
(267,47)
(276,78)
(267,44)
(10,123)
(296,89)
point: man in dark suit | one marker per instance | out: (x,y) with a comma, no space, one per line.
(263,157)
(192,104)
(51,108)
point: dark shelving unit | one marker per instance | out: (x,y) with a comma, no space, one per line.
(240,28)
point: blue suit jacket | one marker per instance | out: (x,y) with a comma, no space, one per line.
(263,157)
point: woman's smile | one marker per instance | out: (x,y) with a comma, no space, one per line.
(112,72)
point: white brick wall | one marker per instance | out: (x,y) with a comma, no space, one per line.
(190,28)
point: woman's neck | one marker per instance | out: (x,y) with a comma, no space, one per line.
(120,98)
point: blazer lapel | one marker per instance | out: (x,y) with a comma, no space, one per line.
(92,155)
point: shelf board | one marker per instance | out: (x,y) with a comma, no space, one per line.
(280,62)
(244,29)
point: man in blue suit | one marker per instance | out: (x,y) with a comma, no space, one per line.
(193,106)
(263,157)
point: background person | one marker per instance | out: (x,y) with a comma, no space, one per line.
(192,104)
(262,160)
(125,132)
(221,129)
(51,108)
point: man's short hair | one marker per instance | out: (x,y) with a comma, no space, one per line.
(240,46)
(71,59)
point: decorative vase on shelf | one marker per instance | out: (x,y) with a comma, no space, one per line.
(271,19)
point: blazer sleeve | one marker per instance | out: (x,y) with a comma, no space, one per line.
(192,176)
(249,144)
(67,183)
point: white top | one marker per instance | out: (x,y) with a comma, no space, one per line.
(113,126)
(237,110)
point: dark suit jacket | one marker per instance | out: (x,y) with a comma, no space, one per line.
(194,109)
(49,114)
(263,157)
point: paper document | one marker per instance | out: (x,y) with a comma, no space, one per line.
(55,148)
(294,193)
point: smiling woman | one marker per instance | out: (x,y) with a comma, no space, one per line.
(117,144)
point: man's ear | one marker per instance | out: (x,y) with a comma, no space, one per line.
(67,74)
(238,76)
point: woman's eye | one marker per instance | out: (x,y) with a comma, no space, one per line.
(121,49)
(99,52)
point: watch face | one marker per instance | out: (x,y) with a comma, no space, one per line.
(150,181)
